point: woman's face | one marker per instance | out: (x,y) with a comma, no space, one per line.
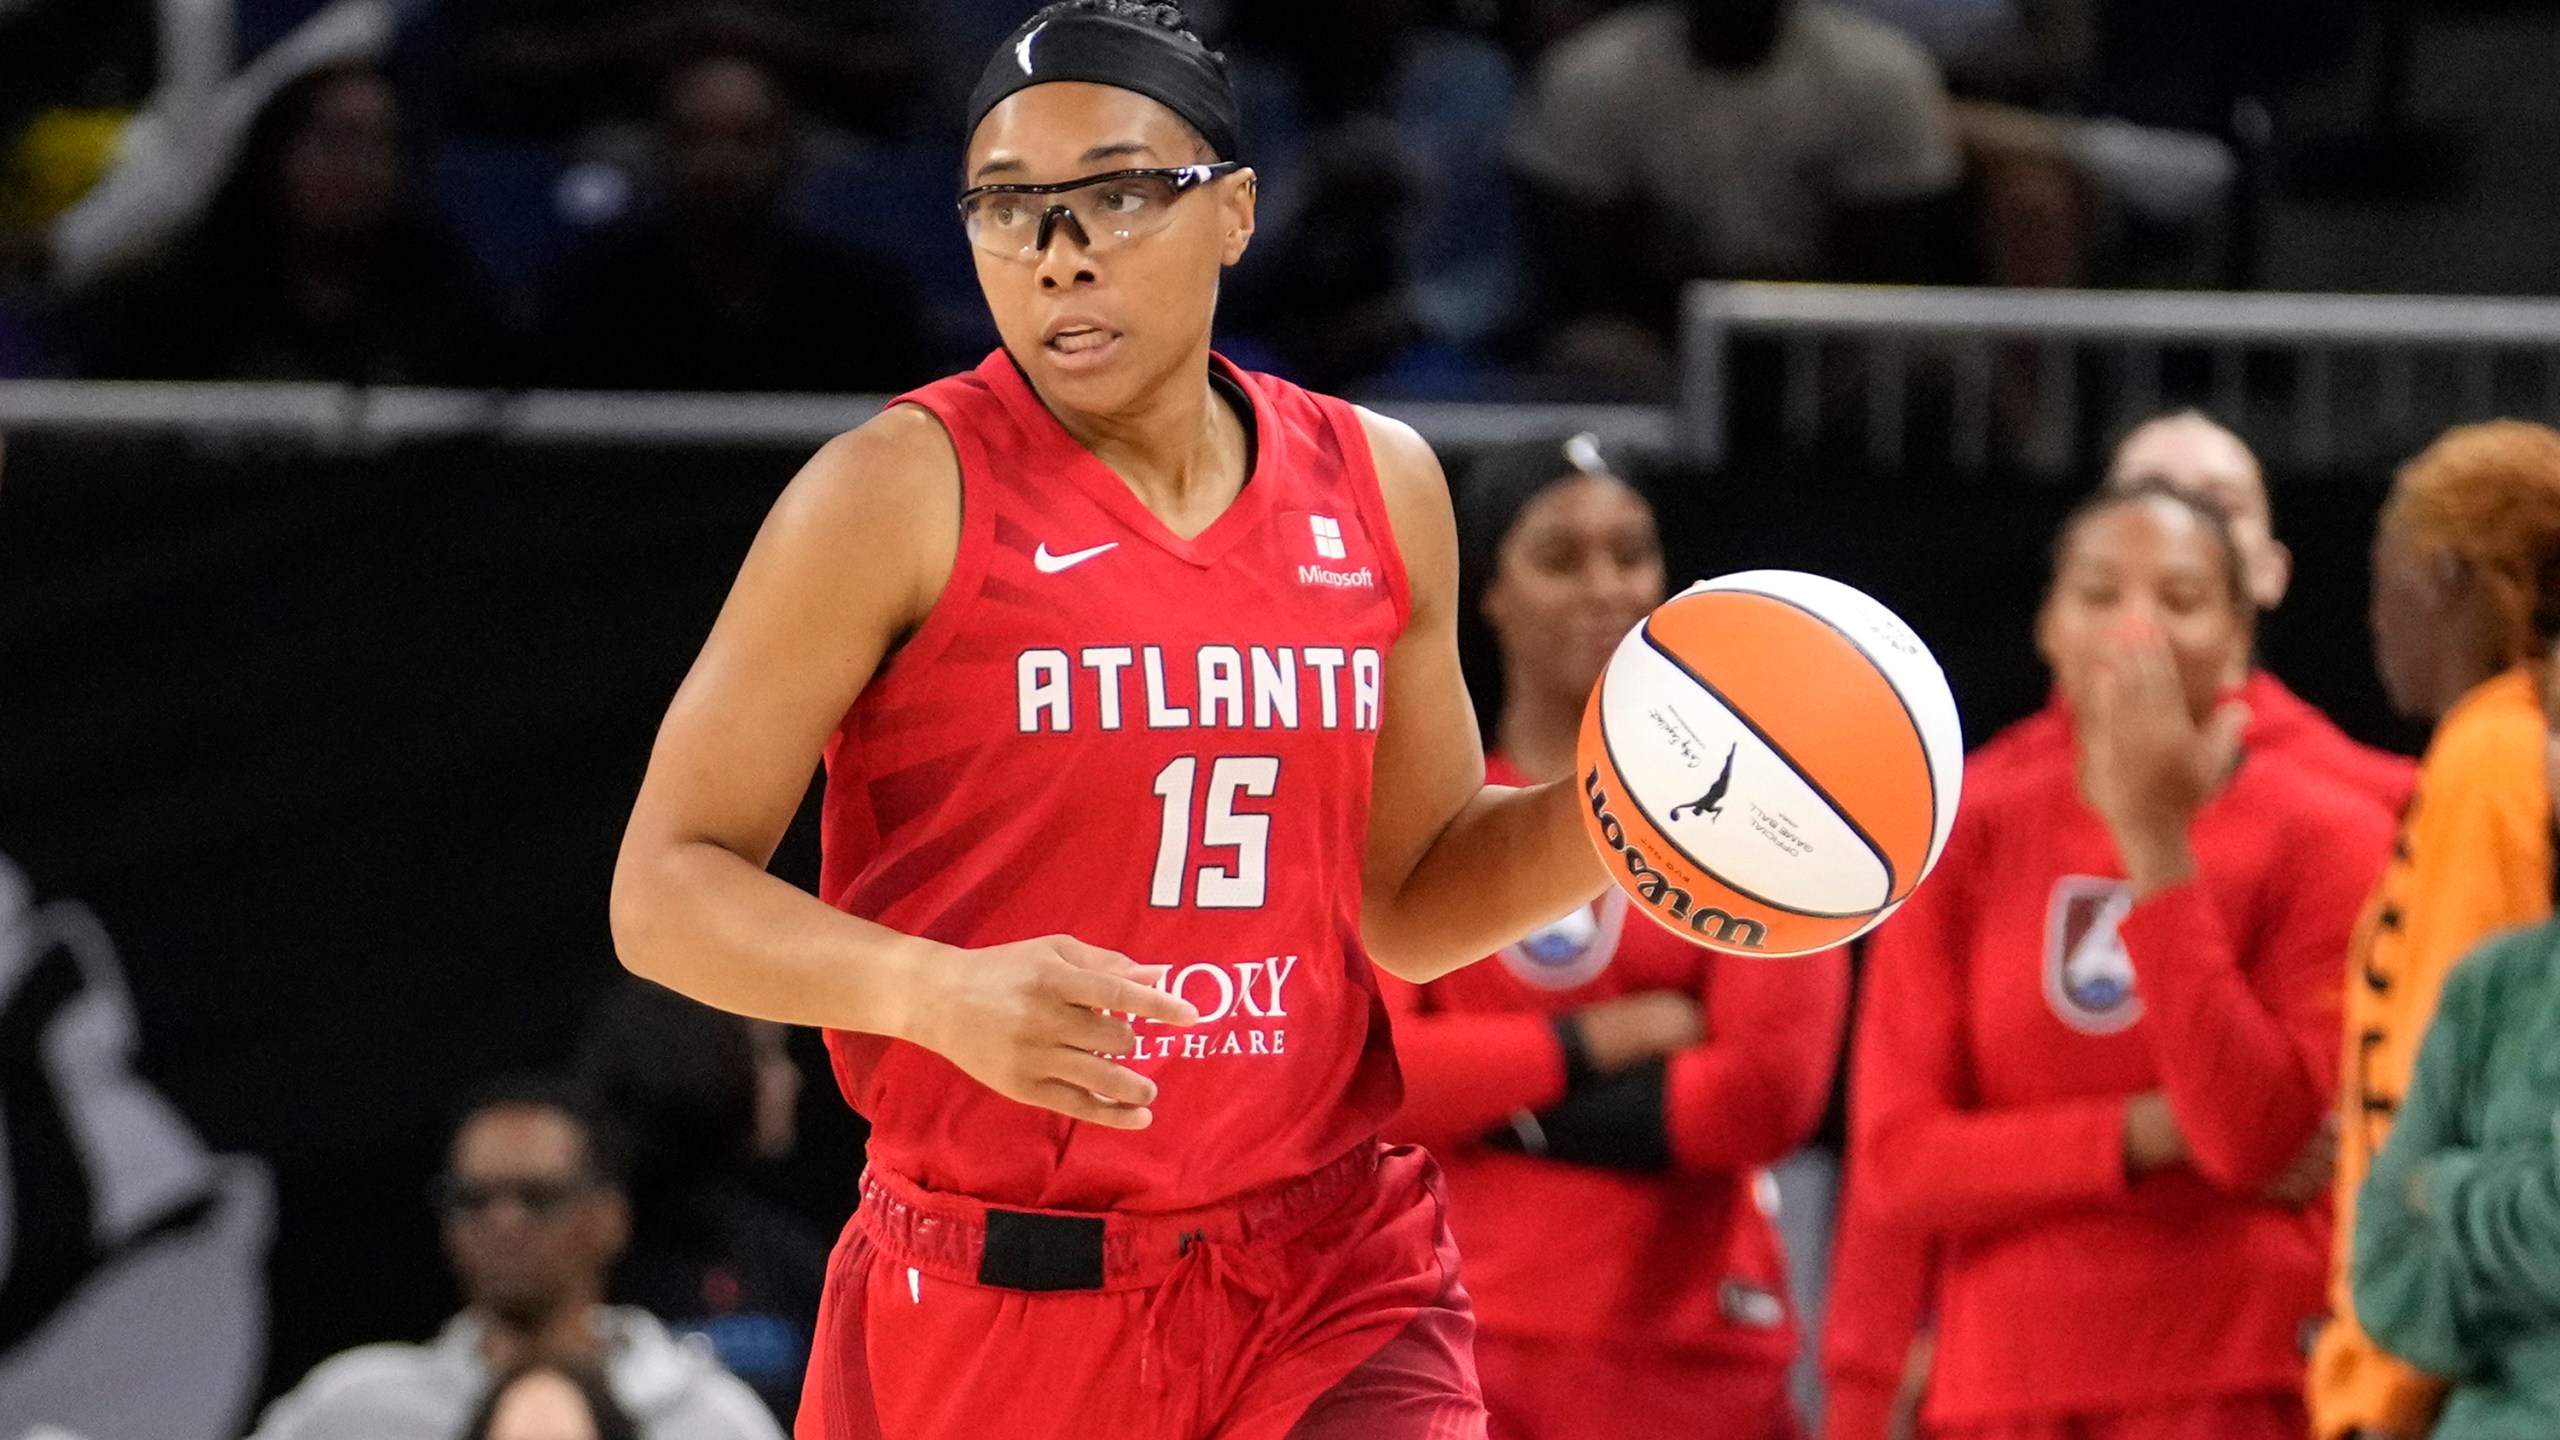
(542,1406)
(2416,612)
(1579,568)
(2154,560)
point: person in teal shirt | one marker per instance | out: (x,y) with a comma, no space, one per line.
(2457,1244)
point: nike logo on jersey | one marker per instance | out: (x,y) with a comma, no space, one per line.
(1048,564)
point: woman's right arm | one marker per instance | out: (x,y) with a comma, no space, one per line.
(1926,1155)
(851,559)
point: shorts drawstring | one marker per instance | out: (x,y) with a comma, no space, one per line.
(1201,1275)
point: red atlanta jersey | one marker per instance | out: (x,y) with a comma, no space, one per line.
(1153,744)
(2025,997)
(1685,1263)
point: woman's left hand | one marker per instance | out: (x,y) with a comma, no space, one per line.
(2146,766)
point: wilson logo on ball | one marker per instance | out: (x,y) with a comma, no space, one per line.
(1656,890)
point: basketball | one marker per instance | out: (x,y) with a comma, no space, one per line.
(1770,763)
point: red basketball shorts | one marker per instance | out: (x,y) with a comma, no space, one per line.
(1324,1309)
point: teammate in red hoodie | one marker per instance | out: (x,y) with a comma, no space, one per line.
(2105,1037)
(1604,1069)
(1881,1277)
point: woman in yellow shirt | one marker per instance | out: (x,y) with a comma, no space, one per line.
(2471,528)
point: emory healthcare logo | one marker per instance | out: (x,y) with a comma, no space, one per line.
(1574,950)
(2088,977)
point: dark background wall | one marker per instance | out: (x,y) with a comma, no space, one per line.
(340,747)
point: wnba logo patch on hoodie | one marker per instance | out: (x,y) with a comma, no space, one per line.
(2088,978)
(1574,950)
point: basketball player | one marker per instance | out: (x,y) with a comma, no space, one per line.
(1136,683)
(2105,1031)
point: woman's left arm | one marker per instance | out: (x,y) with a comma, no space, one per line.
(1455,869)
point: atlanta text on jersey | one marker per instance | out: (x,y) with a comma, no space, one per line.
(1251,686)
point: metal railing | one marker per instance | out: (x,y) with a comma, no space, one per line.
(347,418)
(2030,376)
(1909,378)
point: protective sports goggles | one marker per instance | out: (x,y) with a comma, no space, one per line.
(1015,222)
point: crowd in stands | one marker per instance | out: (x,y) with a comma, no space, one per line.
(1482,198)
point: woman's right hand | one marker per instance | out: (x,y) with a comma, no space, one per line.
(1034,1020)
(1631,1029)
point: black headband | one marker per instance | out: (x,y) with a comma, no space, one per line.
(1174,70)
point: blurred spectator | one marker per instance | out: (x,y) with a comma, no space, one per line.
(1388,234)
(2459,559)
(722,291)
(315,262)
(2096,1054)
(2457,1243)
(553,69)
(702,1096)
(550,1401)
(534,1216)
(1775,139)
(1604,1069)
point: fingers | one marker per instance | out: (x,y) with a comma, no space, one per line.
(1122,994)
(2222,730)
(1078,1104)
(1103,1079)
(2150,676)
(1094,1032)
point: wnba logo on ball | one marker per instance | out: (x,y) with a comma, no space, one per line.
(1655,888)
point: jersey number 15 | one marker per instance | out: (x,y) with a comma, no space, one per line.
(1248,832)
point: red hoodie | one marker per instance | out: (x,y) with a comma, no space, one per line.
(2001,1035)
(1880,1276)
(1685,1262)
